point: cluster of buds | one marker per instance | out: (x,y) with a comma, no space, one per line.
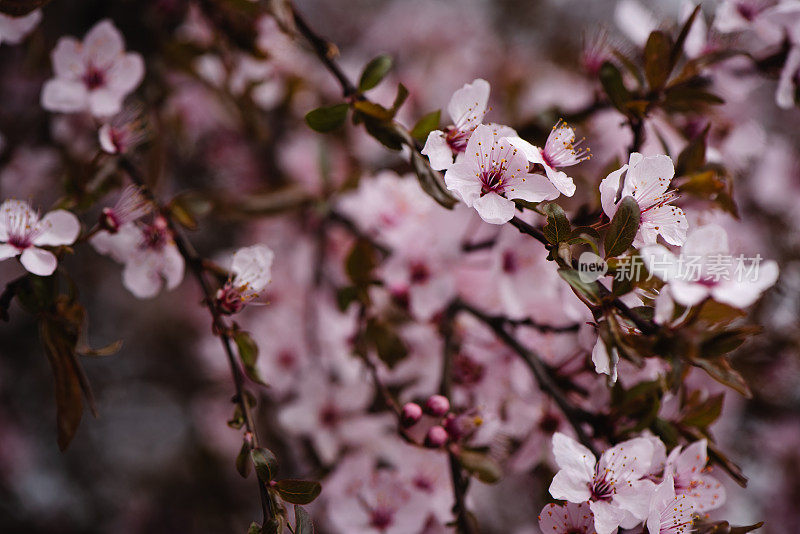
(445,426)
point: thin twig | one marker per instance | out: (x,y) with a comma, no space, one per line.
(458,480)
(574,415)
(196,265)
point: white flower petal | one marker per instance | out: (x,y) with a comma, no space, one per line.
(468,105)
(494,209)
(438,151)
(60,227)
(38,261)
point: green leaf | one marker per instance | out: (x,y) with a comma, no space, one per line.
(557,228)
(360,262)
(385,132)
(585,235)
(59,330)
(587,291)
(298,491)
(248,354)
(399,99)
(345,296)
(371,109)
(722,343)
(243,463)
(479,464)
(255,528)
(265,463)
(657,59)
(431,181)
(686,98)
(302,521)
(327,119)
(704,413)
(374,72)
(390,347)
(611,80)
(677,48)
(693,157)
(426,124)
(720,370)
(623,227)
(19,8)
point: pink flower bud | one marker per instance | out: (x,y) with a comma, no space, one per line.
(437,436)
(437,406)
(411,414)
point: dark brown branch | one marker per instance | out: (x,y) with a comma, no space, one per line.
(574,415)
(196,265)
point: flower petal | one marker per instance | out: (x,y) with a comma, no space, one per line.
(438,151)
(609,188)
(494,209)
(103,44)
(68,59)
(468,105)
(39,261)
(64,96)
(8,251)
(59,227)
(573,457)
(461,178)
(531,187)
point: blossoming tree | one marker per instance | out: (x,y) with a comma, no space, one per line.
(416,316)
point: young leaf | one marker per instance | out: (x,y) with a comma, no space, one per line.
(390,348)
(243,463)
(298,491)
(360,263)
(327,119)
(557,228)
(481,465)
(677,48)
(266,464)
(425,125)
(657,59)
(374,72)
(302,521)
(611,79)
(248,353)
(623,227)
(693,156)
(431,181)
(587,291)
(255,528)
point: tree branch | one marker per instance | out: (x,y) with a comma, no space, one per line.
(196,266)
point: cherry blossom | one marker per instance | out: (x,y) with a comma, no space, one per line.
(492,173)
(251,273)
(124,132)
(706,269)
(94,75)
(688,469)
(647,180)
(571,518)
(14,29)
(560,150)
(786,17)
(467,108)
(23,234)
(131,206)
(615,487)
(149,253)
(670,513)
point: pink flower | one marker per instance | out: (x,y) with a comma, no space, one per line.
(670,513)
(130,206)
(687,468)
(560,150)
(123,133)
(571,518)
(149,253)
(251,274)
(618,494)
(95,75)
(22,234)
(14,29)
(492,173)
(467,108)
(647,179)
(706,269)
